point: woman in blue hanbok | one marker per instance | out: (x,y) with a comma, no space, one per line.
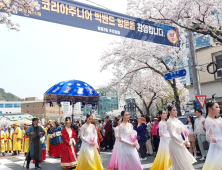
(57,140)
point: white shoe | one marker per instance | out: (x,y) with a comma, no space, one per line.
(143,159)
(202,159)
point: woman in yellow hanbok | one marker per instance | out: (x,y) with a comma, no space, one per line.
(8,134)
(162,160)
(89,158)
(25,139)
(16,139)
(2,140)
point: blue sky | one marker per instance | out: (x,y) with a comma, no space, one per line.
(42,54)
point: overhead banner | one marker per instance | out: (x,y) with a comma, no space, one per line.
(89,17)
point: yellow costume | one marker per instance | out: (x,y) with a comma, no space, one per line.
(8,141)
(25,142)
(2,141)
(16,138)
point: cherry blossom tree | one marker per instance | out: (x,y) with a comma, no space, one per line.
(114,113)
(77,115)
(200,16)
(7,9)
(129,58)
(22,121)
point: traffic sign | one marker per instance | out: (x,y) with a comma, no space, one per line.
(175,74)
(201,99)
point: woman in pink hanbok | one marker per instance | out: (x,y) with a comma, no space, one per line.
(113,164)
(128,158)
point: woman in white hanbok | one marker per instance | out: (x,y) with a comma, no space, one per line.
(128,155)
(214,137)
(89,158)
(180,156)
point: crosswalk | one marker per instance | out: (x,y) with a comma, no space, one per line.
(16,162)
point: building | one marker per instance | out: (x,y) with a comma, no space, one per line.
(210,83)
(8,107)
(16,116)
(35,107)
(67,108)
(108,101)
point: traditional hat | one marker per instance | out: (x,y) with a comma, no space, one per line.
(34,119)
(67,119)
(142,120)
(93,116)
(50,120)
(16,123)
(26,123)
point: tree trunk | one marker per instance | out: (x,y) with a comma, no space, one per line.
(176,96)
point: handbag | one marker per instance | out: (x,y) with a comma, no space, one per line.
(205,145)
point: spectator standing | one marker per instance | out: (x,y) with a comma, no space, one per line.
(149,147)
(155,135)
(141,131)
(114,124)
(108,133)
(191,137)
(200,132)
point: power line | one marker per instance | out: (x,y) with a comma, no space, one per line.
(98,4)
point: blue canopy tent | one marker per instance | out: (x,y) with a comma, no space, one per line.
(72,91)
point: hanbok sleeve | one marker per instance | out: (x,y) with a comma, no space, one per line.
(81,132)
(173,134)
(121,130)
(96,136)
(210,135)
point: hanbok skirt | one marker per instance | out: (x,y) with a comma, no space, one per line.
(162,160)
(55,150)
(89,160)
(129,161)
(113,164)
(214,158)
(180,157)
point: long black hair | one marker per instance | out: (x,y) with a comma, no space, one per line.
(209,104)
(169,108)
(160,113)
(192,121)
(122,114)
(87,116)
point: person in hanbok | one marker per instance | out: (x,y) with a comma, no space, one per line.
(180,156)
(50,136)
(113,163)
(214,137)
(99,136)
(25,141)
(2,140)
(8,139)
(68,152)
(16,138)
(35,149)
(89,158)
(162,160)
(128,156)
(57,142)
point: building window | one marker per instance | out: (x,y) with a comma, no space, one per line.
(27,111)
(218,59)
(17,105)
(1,105)
(33,105)
(33,112)
(0,112)
(9,105)
(27,105)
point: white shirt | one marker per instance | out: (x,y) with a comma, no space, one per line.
(198,126)
(190,128)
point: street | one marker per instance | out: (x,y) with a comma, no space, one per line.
(16,162)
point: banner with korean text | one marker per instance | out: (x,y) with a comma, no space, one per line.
(76,14)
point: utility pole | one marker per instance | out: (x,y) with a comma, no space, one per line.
(193,64)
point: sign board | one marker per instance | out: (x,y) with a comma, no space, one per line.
(201,100)
(76,14)
(175,74)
